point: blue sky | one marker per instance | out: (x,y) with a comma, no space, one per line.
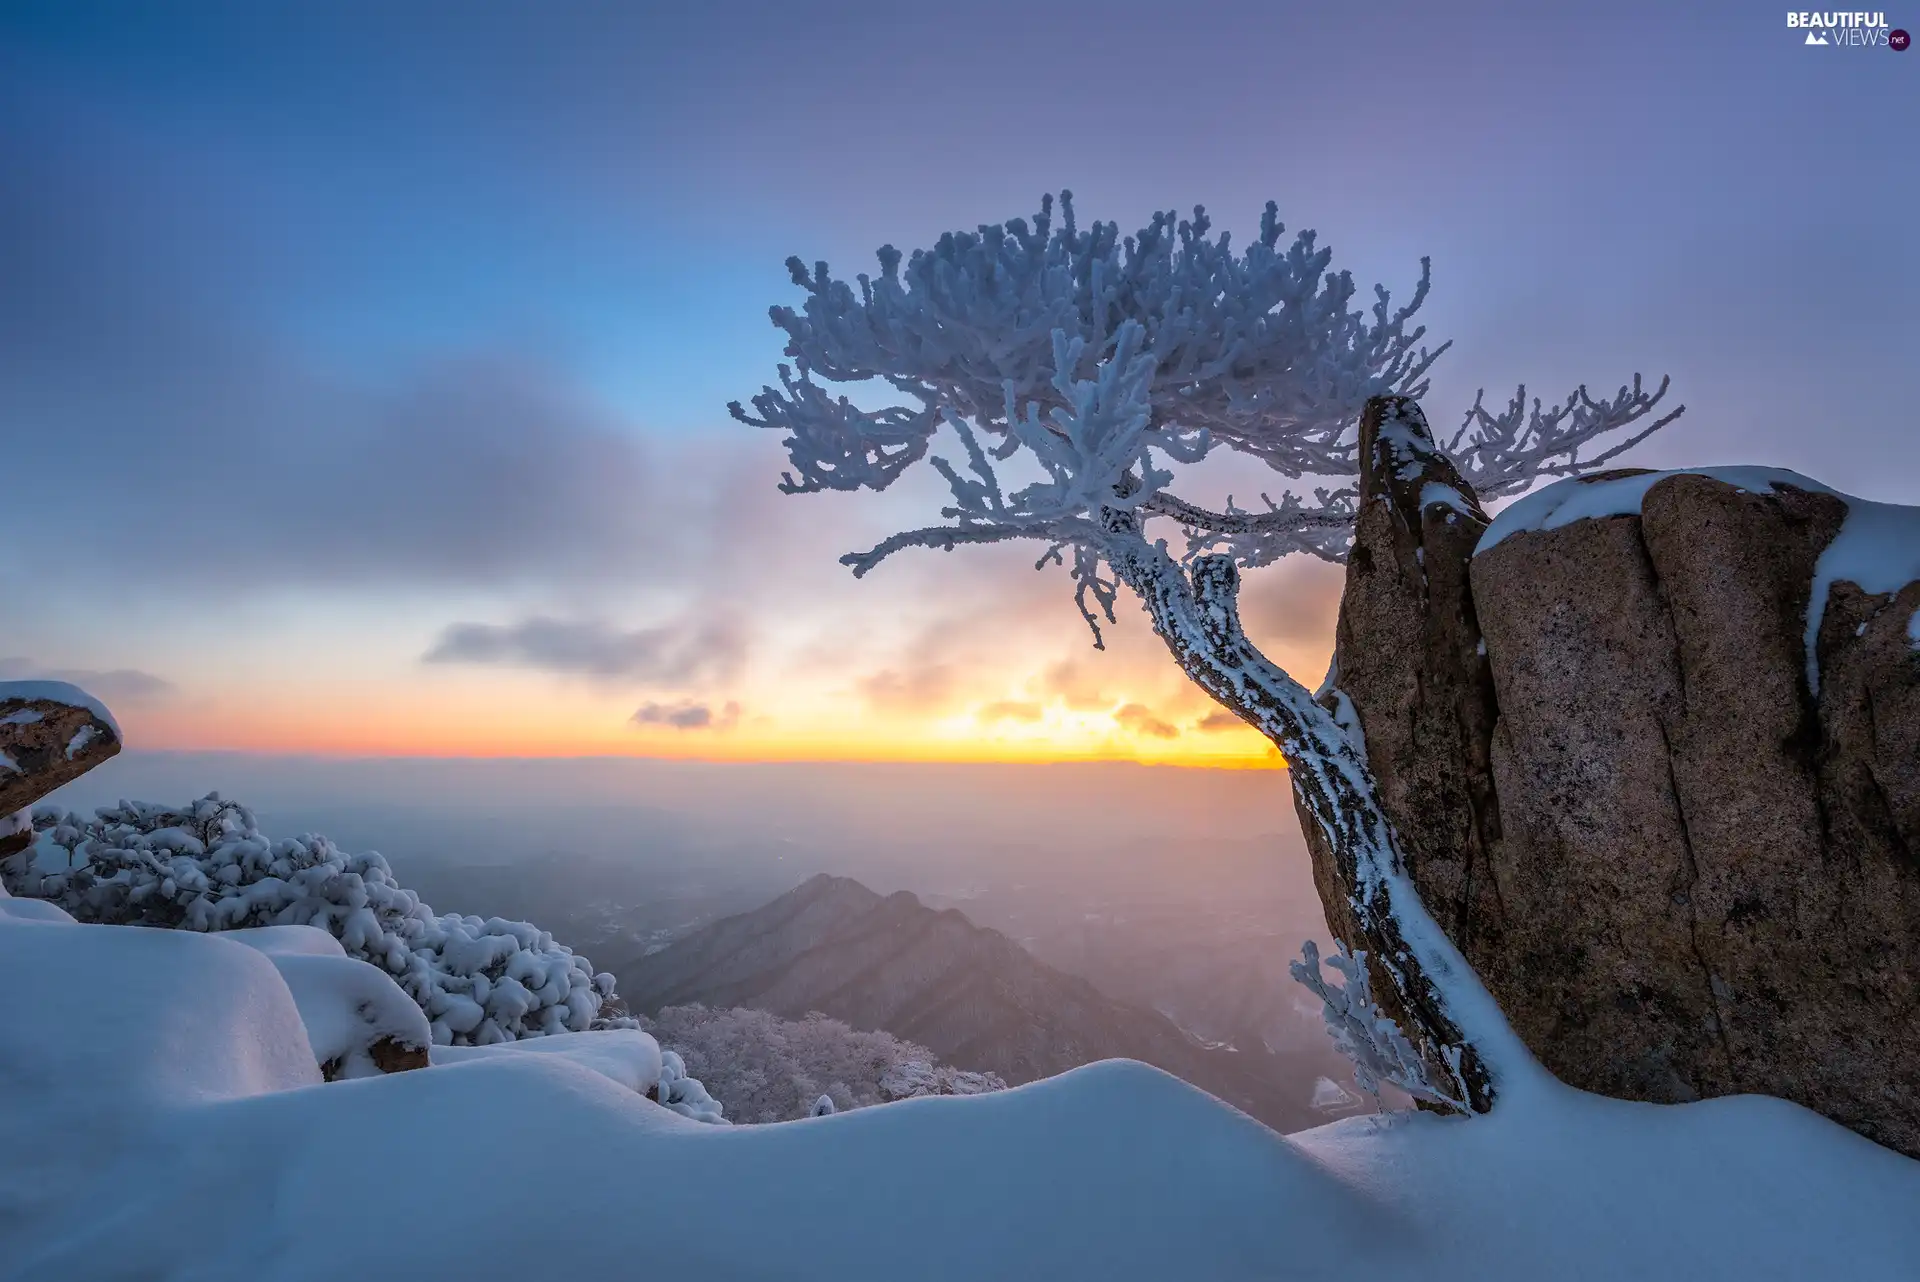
(327,327)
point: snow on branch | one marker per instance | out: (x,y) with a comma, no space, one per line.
(1262,348)
(1083,353)
(1503,454)
(1364,1034)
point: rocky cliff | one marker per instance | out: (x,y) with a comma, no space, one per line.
(1652,743)
(968,993)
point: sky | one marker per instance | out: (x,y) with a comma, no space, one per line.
(363,367)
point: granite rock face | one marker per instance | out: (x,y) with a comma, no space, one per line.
(1681,870)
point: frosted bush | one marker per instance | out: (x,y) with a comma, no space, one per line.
(686,1095)
(775,1070)
(209,867)
(1363,1032)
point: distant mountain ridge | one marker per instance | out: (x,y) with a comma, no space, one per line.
(967,992)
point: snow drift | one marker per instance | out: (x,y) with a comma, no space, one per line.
(162,1079)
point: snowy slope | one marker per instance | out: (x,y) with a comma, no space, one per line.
(162,1118)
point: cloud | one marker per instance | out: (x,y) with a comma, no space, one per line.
(1219,719)
(1074,684)
(152,336)
(674,655)
(687,715)
(1139,718)
(922,688)
(114,685)
(1010,710)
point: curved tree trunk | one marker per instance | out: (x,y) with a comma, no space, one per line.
(1423,981)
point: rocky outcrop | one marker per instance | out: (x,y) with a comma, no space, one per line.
(51,733)
(388,1055)
(1681,869)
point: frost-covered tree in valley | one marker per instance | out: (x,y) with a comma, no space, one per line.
(1101,365)
(770,1069)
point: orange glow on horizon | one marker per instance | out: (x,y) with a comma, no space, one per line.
(336,731)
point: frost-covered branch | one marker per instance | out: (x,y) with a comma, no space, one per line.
(1365,1035)
(835,446)
(1503,454)
(1261,538)
(1104,361)
(1263,348)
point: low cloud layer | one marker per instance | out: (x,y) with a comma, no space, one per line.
(688,715)
(678,654)
(1140,719)
(922,688)
(113,685)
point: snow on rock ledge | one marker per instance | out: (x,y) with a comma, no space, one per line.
(1877,548)
(1620,493)
(51,733)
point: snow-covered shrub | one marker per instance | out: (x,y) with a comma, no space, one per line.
(359,1022)
(686,1095)
(823,1107)
(770,1069)
(208,867)
(1364,1034)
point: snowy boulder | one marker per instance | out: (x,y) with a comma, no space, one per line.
(51,733)
(1657,772)
(358,1020)
(16,832)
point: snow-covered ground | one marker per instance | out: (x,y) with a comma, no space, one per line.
(162,1117)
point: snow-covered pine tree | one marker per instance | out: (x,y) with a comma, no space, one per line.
(1104,362)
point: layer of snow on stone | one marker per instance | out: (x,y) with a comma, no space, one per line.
(1878,547)
(1575,499)
(152,1075)
(59,692)
(1435,492)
